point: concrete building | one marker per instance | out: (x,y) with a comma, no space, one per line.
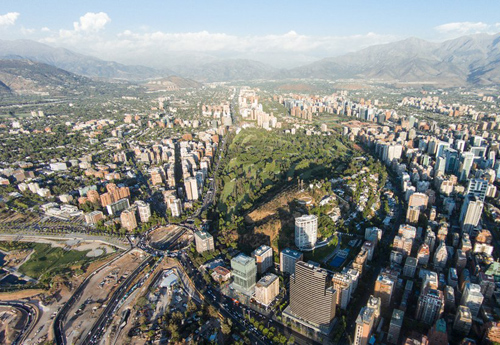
(470,213)
(144,211)
(440,257)
(364,326)
(384,287)
(204,241)
(244,273)
(93,217)
(264,258)
(117,207)
(288,258)
(128,219)
(306,232)
(343,285)
(472,298)
(395,326)
(191,188)
(312,298)
(463,321)
(410,267)
(430,306)
(267,288)
(176,207)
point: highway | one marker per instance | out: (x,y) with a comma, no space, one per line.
(31,320)
(59,336)
(94,336)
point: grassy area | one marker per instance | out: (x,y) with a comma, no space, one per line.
(47,259)
(320,254)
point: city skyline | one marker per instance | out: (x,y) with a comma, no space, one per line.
(267,32)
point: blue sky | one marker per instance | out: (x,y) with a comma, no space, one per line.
(128,31)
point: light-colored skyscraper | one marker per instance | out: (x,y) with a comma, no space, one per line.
(384,287)
(191,187)
(306,232)
(472,298)
(144,211)
(128,219)
(470,213)
(204,241)
(430,305)
(288,258)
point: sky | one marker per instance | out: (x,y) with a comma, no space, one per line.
(279,32)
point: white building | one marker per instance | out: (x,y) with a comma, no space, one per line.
(306,232)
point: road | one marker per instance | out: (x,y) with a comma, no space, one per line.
(94,336)
(31,320)
(59,336)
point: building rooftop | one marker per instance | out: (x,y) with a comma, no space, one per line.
(397,317)
(293,253)
(267,280)
(242,259)
(261,250)
(203,235)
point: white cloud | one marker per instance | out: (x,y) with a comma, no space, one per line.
(92,22)
(457,29)
(8,19)
(45,29)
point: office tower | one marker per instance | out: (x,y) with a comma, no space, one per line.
(306,232)
(343,285)
(191,187)
(384,287)
(116,207)
(477,188)
(466,161)
(288,258)
(440,166)
(176,207)
(472,298)
(470,214)
(452,161)
(441,147)
(410,267)
(312,298)
(144,211)
(128,219)
(395,326)
(430,305)
(364,325)
(204,241)
(463,321)
(267,288)
(437,334)
(264,258)
(244,273)
(441,256)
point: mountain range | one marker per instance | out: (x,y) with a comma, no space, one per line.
(467,60)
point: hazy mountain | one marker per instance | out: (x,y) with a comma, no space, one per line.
(29,77)
(227,70)
(77,63)
(469,59)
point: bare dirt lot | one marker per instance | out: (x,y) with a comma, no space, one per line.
(90,305)
(11,321)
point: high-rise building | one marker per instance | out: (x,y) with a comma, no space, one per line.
(364,326)
(395,326)
(244,273)
(470,213)
(423,254)
(176,207)
(466,161)
(430,306)
(472,298)
(412,214)
(267,288)
(144,211)
(264,258)
(288,258)
(204,241)
(312,297)
(463,321)
(437,334)
(343,285)
(410,267)
(94,217)
(441,256)
(384,287)
(306,232)
(191,187)
(128,219)
(477,188)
